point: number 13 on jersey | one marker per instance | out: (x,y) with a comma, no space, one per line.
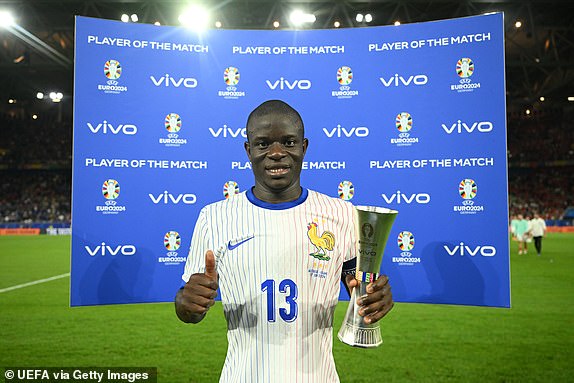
(288,292)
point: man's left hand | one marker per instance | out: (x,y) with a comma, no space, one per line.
(377,302)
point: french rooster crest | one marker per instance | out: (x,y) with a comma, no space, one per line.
(323,243)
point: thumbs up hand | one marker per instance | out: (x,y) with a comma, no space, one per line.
(198,295)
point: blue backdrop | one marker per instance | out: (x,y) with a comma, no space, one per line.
(410,117)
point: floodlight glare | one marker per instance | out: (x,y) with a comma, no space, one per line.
(218,24)
(194,17)
(276,24)
(518,24)
(359,17)
(570,98)
(397,23)
(39,95)
(297,17)
(134,18)
(336,24)
(125,18)
(542,99)
(35,116)
(6,19)
(157,23)
(368,18)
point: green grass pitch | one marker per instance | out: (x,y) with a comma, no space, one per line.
(531,342)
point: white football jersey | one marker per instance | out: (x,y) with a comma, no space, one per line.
(279,269)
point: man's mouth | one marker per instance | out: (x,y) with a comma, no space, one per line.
(278,171)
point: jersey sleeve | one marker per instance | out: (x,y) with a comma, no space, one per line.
(350,259)
(200,243)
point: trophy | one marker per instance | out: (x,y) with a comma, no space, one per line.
(373,225)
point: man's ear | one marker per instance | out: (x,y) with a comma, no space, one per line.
(247,149)
(305,145)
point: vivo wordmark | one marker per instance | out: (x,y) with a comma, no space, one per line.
(105,127)
(461,127)
(226,131)
(339,131)
(283,83)
(104,250)
(167,198)
(462,249)
(398,80)
(398,197)
(167,80)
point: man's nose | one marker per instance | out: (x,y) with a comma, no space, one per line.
(276,151)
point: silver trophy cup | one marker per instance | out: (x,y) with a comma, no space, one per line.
(373,225)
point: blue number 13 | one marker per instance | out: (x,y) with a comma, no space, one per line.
(288,287)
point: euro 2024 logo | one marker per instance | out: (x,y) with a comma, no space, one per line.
(231,77)
(110,191)
(172,123)
(346,190)
(468,189)
(406,242)
(112,71)
(344,78)
(230,189)
(465,70)
(404,124)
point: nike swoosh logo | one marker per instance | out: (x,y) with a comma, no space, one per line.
(231,247)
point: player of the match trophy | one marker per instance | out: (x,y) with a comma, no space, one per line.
(373,225)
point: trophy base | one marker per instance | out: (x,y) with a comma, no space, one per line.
(354,331)
(360,336)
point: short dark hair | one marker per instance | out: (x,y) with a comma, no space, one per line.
(276,107)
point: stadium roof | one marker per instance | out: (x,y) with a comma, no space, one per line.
(539,54)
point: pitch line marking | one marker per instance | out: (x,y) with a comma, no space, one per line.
(34,283)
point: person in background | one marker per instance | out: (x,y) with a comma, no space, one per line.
(537,230)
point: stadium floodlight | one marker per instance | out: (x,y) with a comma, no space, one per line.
(39,95)
(542,99)
(359,17)
(518,24)
(368,18)
(397,23)
(34,116)
(157,23)
(336,24)
(276,24)
(11,101)
(6,19)
(56,96)
(571,98)
(195,18)
(218,24)
(298,17)
(134,18)
(125,18)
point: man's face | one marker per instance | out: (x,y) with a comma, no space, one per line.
(276,148)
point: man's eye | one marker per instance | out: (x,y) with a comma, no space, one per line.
(261,145)
(290,143)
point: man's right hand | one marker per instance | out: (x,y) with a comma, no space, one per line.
(198,294)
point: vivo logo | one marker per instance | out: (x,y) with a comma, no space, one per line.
(166,198)
(462,249)
(286,84)
(396,80)
(460,127)
(226,131)
(398,197)
(104,249)
(339,131)
(106,127)
(167,80)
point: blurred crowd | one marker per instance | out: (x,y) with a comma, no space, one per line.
(35,166)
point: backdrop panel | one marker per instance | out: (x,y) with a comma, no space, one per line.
(409,117)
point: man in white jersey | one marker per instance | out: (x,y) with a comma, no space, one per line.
(260,248)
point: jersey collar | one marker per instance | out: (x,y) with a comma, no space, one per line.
(277,206)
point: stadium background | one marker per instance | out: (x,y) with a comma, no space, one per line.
(530,342)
